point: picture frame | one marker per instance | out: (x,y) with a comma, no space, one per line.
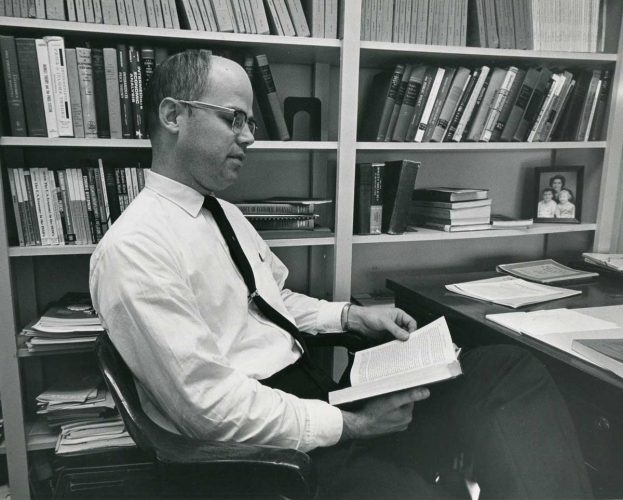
(558,194)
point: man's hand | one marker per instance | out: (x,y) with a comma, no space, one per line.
(374,322)
(382,415)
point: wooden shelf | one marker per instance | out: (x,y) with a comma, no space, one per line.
(71,142)
(286,49)
(424,234)
(386,55)
(477,146)
(273,238)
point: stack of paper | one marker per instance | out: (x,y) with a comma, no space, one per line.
(612,261)
(87,437)
(77,400)
(510,291)
(72,323)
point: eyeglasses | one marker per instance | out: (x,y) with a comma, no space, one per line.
(239,117)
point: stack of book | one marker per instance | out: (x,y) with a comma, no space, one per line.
(429,103)
(451,209)
(99,435)
(383,196)
(54,91)
(77,400)
(70,206)
(317,18)
(572,25)
(71,323)
(282,213)
(609,261)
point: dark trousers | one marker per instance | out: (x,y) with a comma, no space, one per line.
(506,416)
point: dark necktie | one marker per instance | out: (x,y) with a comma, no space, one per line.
(241,261)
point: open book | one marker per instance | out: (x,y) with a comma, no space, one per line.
(427,357)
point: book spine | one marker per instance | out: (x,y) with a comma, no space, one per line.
(450,104)
(150,9)
(307,223)
(70,231)
(363,198)
(94,229)
(390,99)
(99,92)
(493,40)
(417,80)
(167,19)
(97,11)
(112,194)
(471,105)
(553,94)
(109,12)
(55,206)
(508,106)
(558,107)
(127,123)
(498,103)
(430,103)
(19,224)
(136,91)
(596,130)
(60,85)
(54,9)
(31,87)
(224,21)
(588,105)
(273,18)
(13,86)
(298,17)
(261,21)
(398,181)
(272,111)
(248,12)
(45,76)
(523,97)
(39,195)
(534,105)
(330,19)
(30,238)
(174,14)
(111,86)
(420,103)
(102,195)
(76,206)
(129,10)
(123,17)
(85,74)
(400,94)
(201,10)
(33,214)
(93,198)
(140,13)
(73,82)
(80,13)
(89,12)
(484,109)
(458,112)
(51,210)
(444,90)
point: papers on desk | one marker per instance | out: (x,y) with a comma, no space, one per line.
(560,327)
(510,291)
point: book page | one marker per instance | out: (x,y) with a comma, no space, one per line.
(536,323)
(427,346)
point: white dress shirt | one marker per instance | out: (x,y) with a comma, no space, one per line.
(177,309)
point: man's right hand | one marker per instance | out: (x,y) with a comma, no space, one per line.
(382,415)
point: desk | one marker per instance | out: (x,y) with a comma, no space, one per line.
(594,395)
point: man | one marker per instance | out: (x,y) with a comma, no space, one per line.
(215,353)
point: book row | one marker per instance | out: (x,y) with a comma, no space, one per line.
(318,18)
(97,92)
(70,206)
(428,103)
(574,25)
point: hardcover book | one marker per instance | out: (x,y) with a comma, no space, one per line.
(449,194)
(398,183)
(545,271)
(427,357)
(368,198)
(607,353)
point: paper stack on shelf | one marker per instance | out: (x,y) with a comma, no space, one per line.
(71,323)
(509,291)
(88,437)
(612,261)
(75,400)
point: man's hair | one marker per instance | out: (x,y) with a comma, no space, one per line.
(182,76)
(560,177)
(548,190)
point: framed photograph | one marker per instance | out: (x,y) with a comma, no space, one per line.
(558,196)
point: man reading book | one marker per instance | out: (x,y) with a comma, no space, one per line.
(194,300)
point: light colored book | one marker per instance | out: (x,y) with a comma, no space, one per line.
(470,106)
(607,353)
(60,85)
(427,357)
(87,92)
(45,74)
(545,271)
(259,13)
(74,92)
(112,92)
(510,291)
(607,260)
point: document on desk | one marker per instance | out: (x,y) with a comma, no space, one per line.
(559,327)
(510,291)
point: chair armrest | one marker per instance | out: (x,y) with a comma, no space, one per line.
(352,341)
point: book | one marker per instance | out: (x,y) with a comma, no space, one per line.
(73,81)
(596,131)
(100,92)
(505,222)
(31,87)
(269,101)
(398,182)
(524,93)
(510,291)
(450,104)
(453,228)
(438,105)
(558,104)
(424,103)
(368,198)
(297,15)
(606,353)
(400,94)
(567,126)
(282,222)
(123,70)
(85,75)
(495,106)
(533,105)
(454,204)
(449,194)
(406,112)
(612,261)
(507,107)
(588,107)
(45,75)
(135,71)
(427,357)
(481,112)
(111,75)
(545,271)
(461,104)
(466,221)
(452,214)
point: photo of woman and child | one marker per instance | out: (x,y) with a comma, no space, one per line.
(557,200)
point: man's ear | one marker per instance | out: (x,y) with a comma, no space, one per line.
(169,113)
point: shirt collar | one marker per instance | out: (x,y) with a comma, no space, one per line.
(183,196)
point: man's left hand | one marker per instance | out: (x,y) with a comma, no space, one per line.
(375,322)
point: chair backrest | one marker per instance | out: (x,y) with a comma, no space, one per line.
(120,383)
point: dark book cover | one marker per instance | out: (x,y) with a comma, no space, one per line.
(136,91)
(99,89)
(148,65)
(89,206)
(13,86)
(449,194)
(261,133)
(596,132)
(400,95)
(32,208)
(31,87)
(420,102)
(521,101)
(419,80)
(458,112)
(127,122)
(398,182)
(96,204)
(70,230)
(476,24)
(566,128)
(533,107)
(368,198)
(112,194)
(269,101)
(62,211)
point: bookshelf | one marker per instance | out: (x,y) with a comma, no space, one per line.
(328,263)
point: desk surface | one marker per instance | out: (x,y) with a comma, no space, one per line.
(429,293)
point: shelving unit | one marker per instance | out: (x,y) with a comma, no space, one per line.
(329,267)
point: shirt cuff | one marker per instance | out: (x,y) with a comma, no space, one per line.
(330,317)
(323,426)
